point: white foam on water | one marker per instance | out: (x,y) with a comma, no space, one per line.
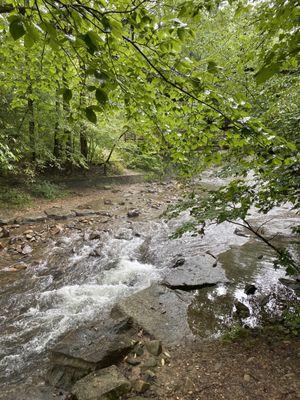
(59,310)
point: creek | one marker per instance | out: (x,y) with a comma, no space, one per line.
(76,280)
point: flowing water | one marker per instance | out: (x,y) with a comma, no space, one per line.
(78,280)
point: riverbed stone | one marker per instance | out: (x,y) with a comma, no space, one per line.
(153,347)
(58,213)
(32,218)
(196,272)
(5,221)
(140,386)
(92,347)
(133,213)
(162,312)
(84,212)
(105,384)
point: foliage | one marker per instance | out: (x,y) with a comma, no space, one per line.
(11,197)
(46,190)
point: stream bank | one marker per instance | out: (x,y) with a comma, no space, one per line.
(102,269)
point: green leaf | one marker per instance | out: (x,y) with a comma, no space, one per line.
(101,96)
(266,72)
(67,95)
(28,41)
(212,67)
(16,29)
(90,114)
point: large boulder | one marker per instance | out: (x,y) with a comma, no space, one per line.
(58,213)
(195,272)
(89,348)
(162,312)
(105,384)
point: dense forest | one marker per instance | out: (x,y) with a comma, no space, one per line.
(164,86)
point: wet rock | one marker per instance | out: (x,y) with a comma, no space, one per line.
(108,202)
(103,213)
(84,212)
(55,230)
(61,241)
(146,306)
(26,249)
(149,375)
(154,347)
(196,272)
(124,234)
(291,284)
(150,363)
(32,218)
(56,213)
(140,386)
(178,262)
(132,361)
(96,253)
(95,235)
(138,349)
(65,377)
(4,232)
(18,267)
(250,289)
(105,384)
(242,311)
(4,221)
(133,213)
(96,346)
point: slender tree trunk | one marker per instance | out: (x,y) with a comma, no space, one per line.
(31,120)
(67,132)
(57,148)
(84,150)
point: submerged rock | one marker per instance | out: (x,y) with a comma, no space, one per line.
(105,384)
(250,289)
(242,311)
(133,213)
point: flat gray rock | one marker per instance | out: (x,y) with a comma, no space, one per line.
(105,384)
(38,217)
(90,348)
(196,272)
(162,312)
(57,213)
(84,212)
(5,221)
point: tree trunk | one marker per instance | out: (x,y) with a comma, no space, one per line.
(31,123)
(57,148)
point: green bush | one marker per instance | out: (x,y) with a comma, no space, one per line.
(13,197)
(46,190)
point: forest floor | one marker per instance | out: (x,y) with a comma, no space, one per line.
(254,368)
(261,367)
